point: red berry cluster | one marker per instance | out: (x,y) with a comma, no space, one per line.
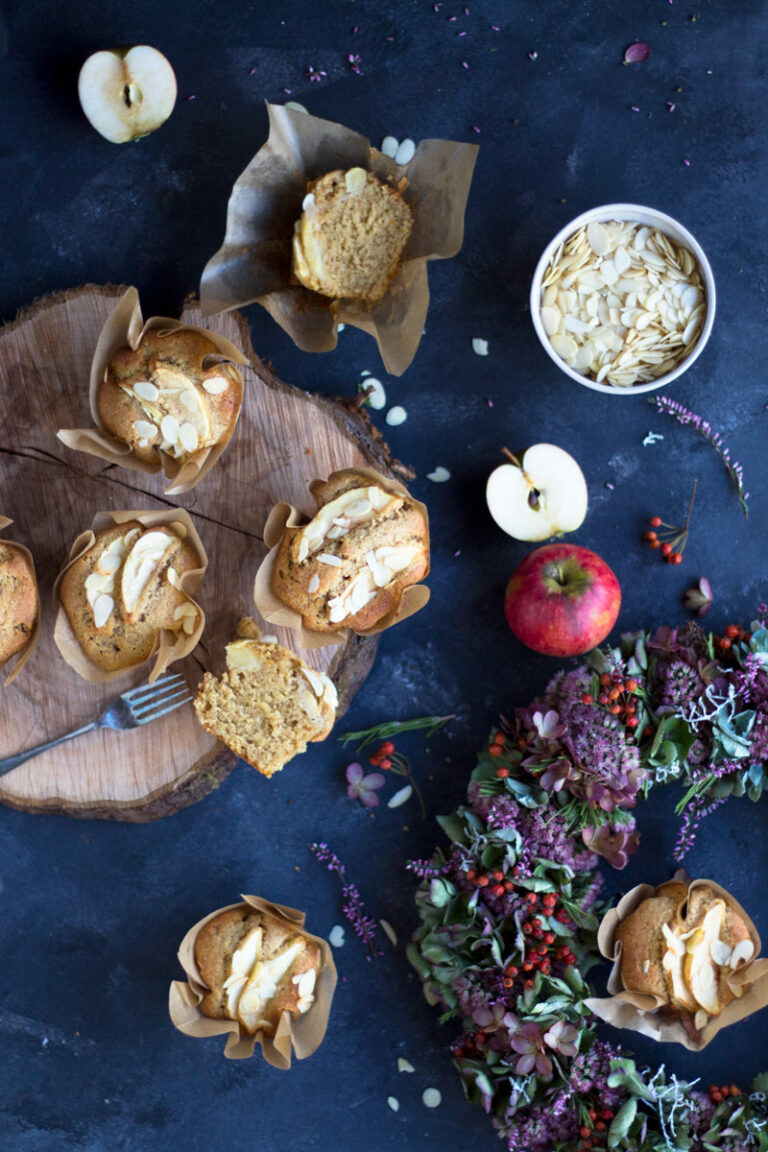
(382,757)
(494,881)
(671,542)
(618,696)
(542,949)
(717,1095)
(730,634)
(594,1134)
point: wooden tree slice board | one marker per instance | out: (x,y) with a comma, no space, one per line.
(284,439)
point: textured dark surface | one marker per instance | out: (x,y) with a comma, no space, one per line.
(92,913)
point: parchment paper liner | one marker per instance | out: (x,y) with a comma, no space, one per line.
(303,1035)
(639,1013)
(125,326)
(169,646)
(285,516)
(254,262)
(24,653)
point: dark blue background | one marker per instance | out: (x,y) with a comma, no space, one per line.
(92,912)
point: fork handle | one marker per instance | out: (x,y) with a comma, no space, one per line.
(12,762)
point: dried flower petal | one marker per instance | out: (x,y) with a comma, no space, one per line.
(636,53)
(698,598)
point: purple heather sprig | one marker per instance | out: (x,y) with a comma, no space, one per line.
(686,417)
(352,906)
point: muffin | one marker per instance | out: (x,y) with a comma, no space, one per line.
(684,953)
(125,589)
(351,235)
(349,566)
(19,600)
(267,705)
(162,398)
(256,967)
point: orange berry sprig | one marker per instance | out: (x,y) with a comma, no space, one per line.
(672,541)
(618,696)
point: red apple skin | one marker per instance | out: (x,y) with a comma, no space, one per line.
(563,600)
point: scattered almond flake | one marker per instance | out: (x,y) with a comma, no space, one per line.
(389,932)
(432,1097)
(651,438)
(636,53)
(394,1103)
(405,152)
(440,475)
(396,415)
(314,584)
(294,104)
(330,559)
(389,146)
(377,397)
(269,639)
(479,347)
(400,797)
(336,936)
(340,327)
(404,1065)
(365,372)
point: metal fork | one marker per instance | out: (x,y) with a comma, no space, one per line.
(138,706)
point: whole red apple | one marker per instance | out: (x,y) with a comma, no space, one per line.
(563,600)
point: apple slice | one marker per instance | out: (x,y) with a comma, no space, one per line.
(127,93)
(541,494)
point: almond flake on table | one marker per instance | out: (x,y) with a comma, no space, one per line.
(432,1097)
(405,152)
(396,415)
(389,932)
(400,797)
(479,347)
(439,476)
(394,1103)
(389,146)
(377,397)
(336,936)
(404,1065)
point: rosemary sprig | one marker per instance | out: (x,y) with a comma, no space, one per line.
(392,728)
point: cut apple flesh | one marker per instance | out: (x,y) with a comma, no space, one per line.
(126,95)
(544,496)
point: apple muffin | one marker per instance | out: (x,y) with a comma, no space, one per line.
(173,394)
(349,566)
(682,952)
(125,589)
(268,704)
(351,234)
(19,600)
(256,967)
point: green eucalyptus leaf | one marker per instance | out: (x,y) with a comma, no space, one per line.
(622,1122)
(454,828)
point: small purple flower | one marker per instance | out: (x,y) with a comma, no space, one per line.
(562,1038)
(362,787)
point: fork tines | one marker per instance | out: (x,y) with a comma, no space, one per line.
(149,703)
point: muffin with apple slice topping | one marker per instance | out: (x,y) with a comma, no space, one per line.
(172,394)
(123,590)
(255,967)
(349,566)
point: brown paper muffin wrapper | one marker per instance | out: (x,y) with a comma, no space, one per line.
(253,264)
(284,517)
(302,1035)
(170,646)
(642,1013)
(24,653)
(125,327)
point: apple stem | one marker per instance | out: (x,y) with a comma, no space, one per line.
(511,457)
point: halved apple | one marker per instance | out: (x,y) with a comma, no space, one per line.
(540,494)
(126,93)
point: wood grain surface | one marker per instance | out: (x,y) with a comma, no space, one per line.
(285,438)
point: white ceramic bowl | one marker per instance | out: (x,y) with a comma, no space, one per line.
(640,215)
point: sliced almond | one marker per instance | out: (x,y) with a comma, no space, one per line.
(145,390)
(144,430)
(742,952)
(355,180)
(103,608)
(215,385)
(720,952)
(188,437)
(314,584)
(330,560)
